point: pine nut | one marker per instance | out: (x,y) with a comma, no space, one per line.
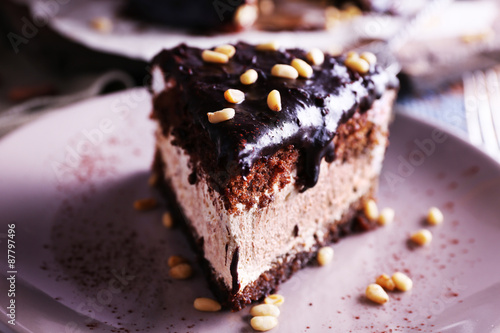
(304,69)
(167,220)
(215,57)
(234,96)
(145,204)
(249,77)
(435,216)
(153,179)
(325,255)
(315,56)
(376,293)
(386,216)
(265,310)
(274,100)
(422,237)
(402,281)
(226,49)
(176,260)
(369,57)
(206,304)
(274,299)
(263,323)
(284,71)
(271,46)
(385,282)
(352,54)
(246,15)
(357,64)
(220,116)
(371,209)
(181,271)
(102,24)
(335,50)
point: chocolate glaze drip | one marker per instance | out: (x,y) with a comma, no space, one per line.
(311,108)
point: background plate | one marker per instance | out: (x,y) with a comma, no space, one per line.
(86,260)
(140,40)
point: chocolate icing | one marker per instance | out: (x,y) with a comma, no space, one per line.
(311,111)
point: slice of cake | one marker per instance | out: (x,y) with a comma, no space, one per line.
(200,15)
(285,166)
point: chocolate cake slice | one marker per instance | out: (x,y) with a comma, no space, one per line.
(200,15)
(263,184)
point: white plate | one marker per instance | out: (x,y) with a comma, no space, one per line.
(138,40)
(68,182)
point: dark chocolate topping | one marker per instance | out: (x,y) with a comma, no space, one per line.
(311,108)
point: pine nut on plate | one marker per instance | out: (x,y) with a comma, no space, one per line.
(402,281)
(274,299)
(167,220)
(206,304)
(435,216)
(385,282)
(371,209)
(376,293)
(422,237)
(265,310)
(176,260)
(181,271)
(325,255)
(386,216)
(263,323)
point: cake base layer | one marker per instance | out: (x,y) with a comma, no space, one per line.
(353,220)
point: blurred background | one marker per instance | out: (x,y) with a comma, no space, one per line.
(57,52)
